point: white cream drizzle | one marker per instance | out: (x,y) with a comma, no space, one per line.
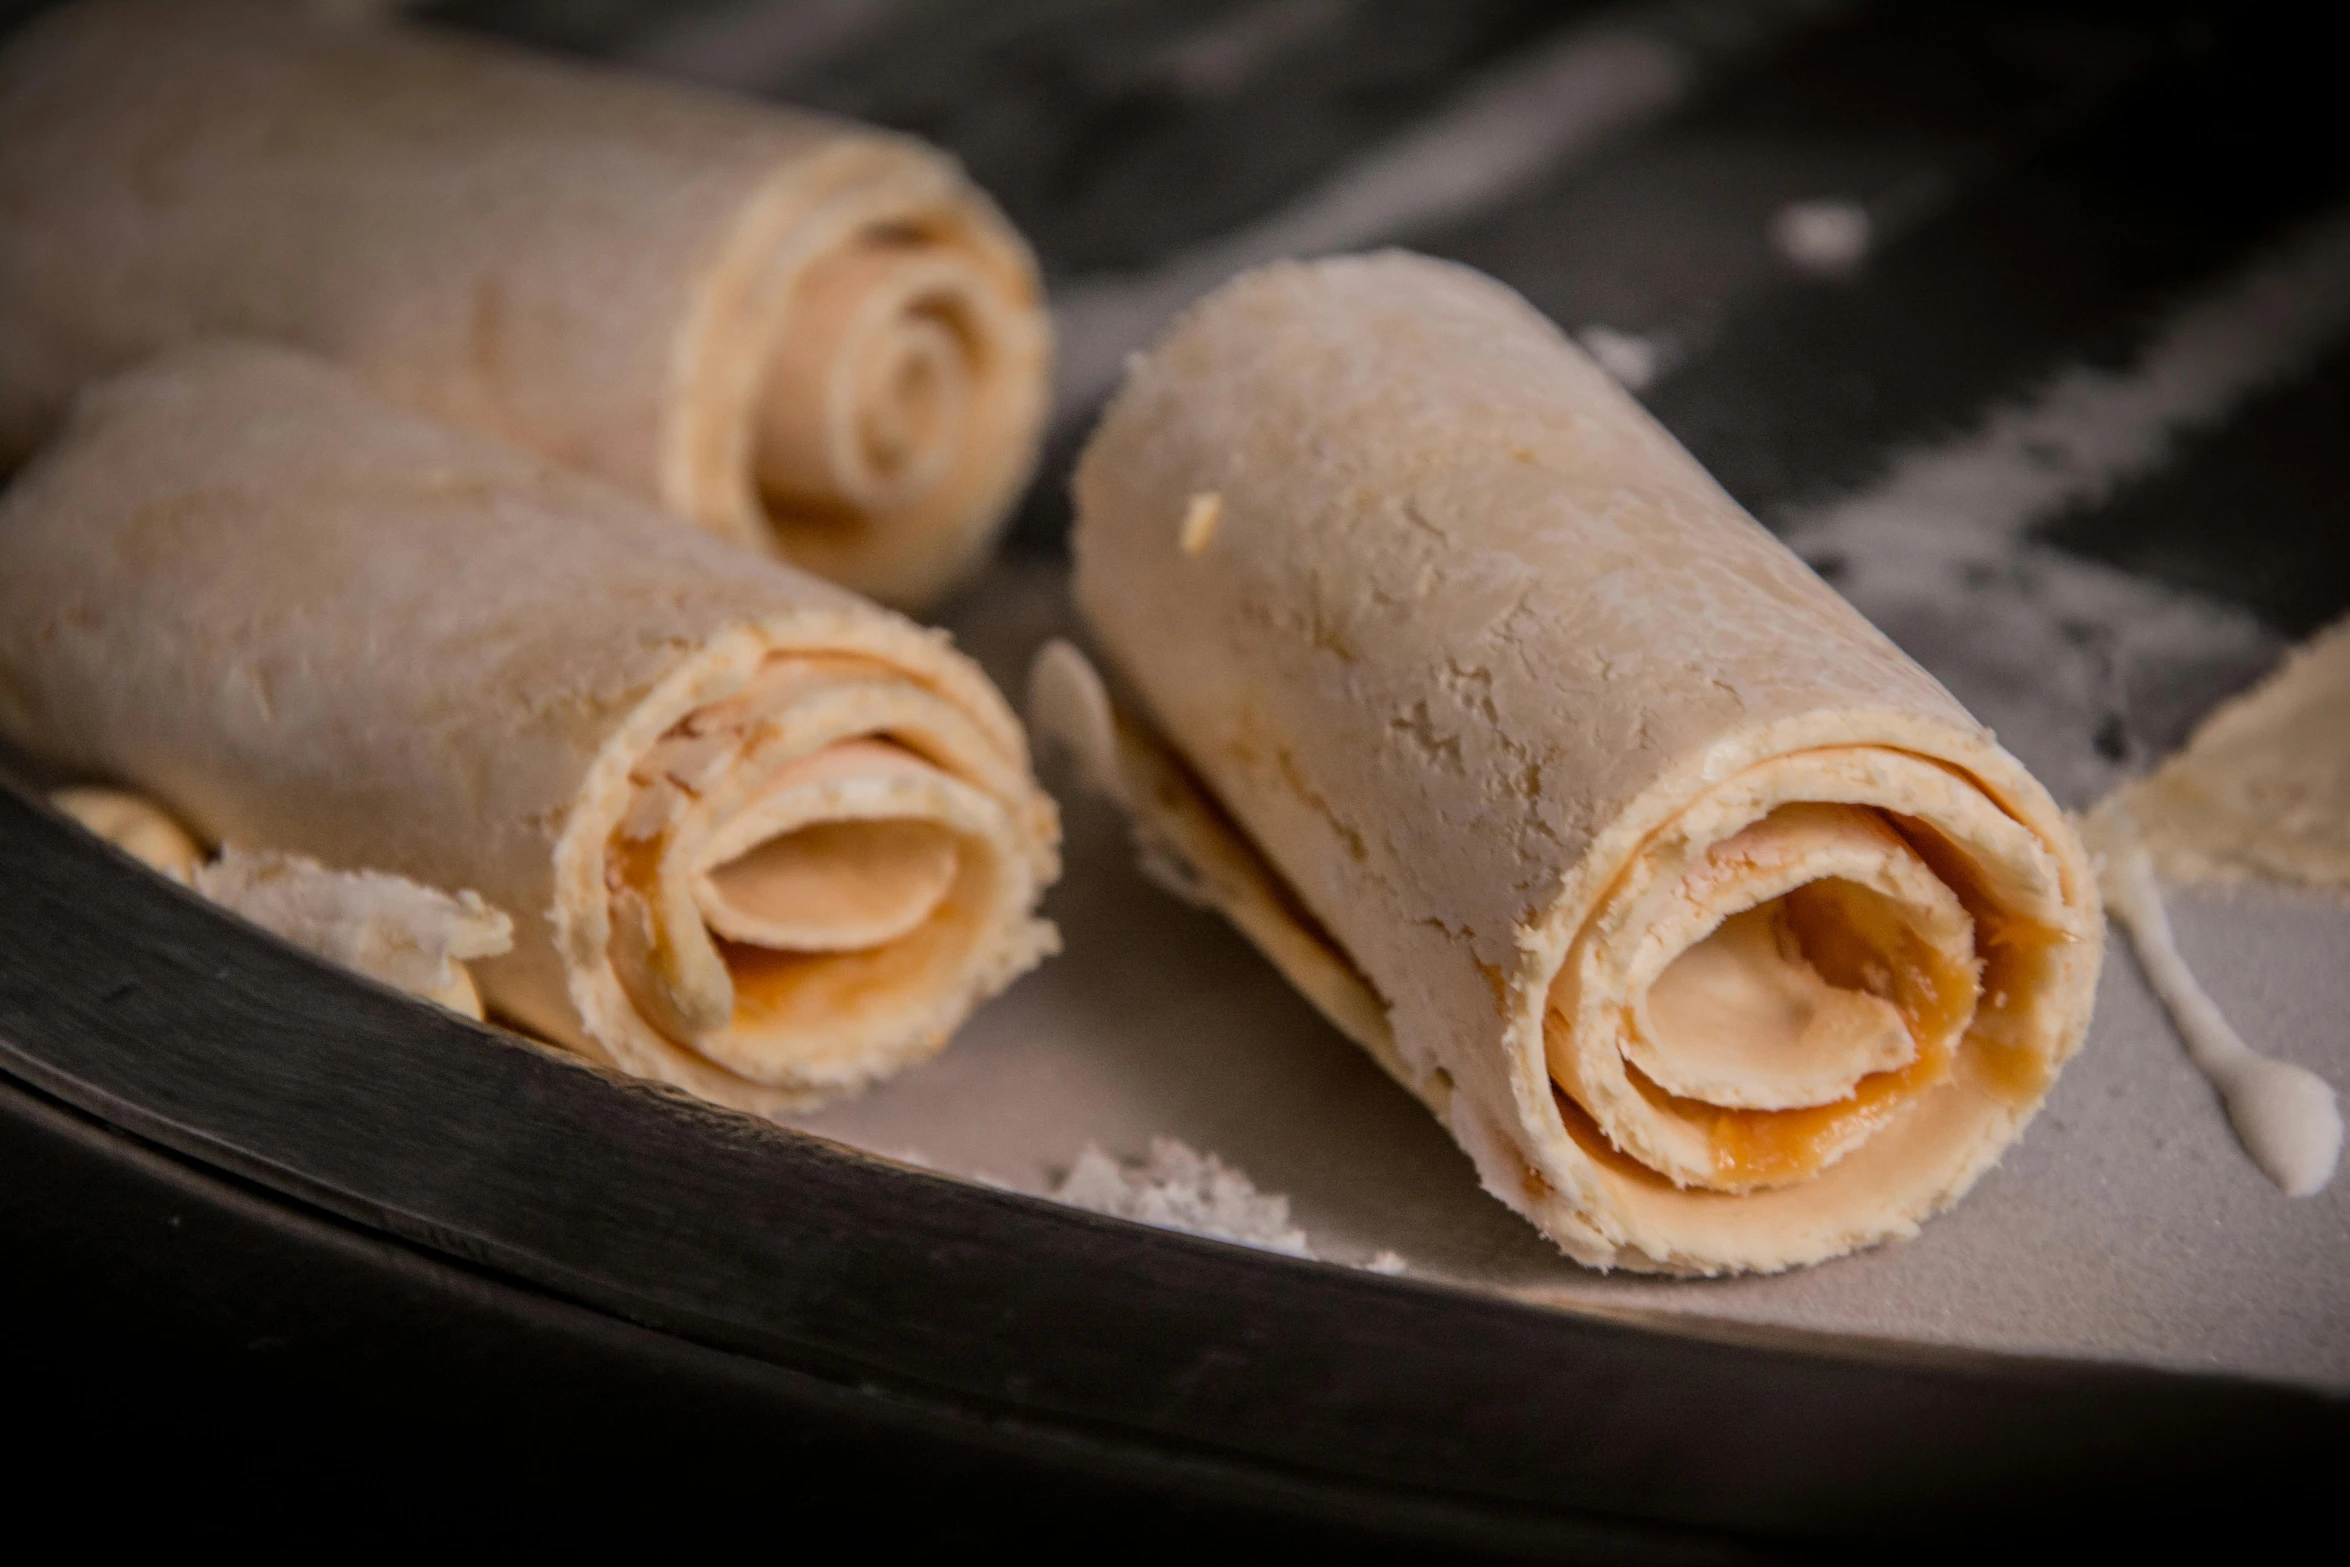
(2285,1115)
(1069,706)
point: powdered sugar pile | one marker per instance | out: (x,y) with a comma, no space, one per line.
(1180,1188)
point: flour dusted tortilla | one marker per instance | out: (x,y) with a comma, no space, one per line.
(1718,934)
(798,332)
(758,837)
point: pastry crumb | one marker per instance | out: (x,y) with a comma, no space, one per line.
(395,931)
(1199,521)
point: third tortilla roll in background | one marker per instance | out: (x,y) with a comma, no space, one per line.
(801,333)
(1718,934)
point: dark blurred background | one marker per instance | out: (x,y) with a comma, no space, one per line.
(2043,180)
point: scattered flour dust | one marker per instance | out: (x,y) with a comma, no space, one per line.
(1528,119)
(1823,238)
(1633,361)
(1180,1188)
(2079,666)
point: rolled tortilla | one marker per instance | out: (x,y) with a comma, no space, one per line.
(759,838)
(803,334)
(1718,934)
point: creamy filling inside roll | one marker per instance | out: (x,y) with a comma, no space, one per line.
(805,867)
(1790,966)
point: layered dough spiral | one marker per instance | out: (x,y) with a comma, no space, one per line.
(1834,945)
(1717,933)
(759,838)
(805,335)
(813,878)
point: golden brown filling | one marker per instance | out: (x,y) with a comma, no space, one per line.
(1840,967)
(1773,1147)
(1828,979)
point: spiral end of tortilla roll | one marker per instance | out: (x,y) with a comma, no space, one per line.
(802,334)
(808,876)
(891,413)
(1818,1000)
